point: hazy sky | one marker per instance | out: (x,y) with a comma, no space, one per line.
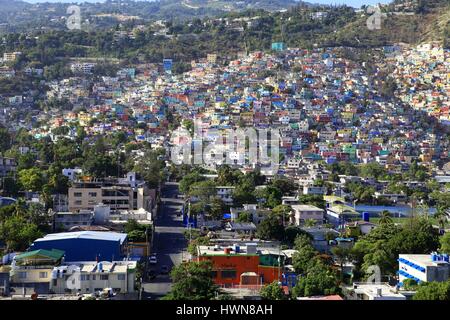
(354,3)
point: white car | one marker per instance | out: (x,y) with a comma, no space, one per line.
(153,260)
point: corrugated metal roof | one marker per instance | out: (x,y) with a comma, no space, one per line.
(93,235)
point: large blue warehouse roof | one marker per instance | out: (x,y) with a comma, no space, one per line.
(92,235)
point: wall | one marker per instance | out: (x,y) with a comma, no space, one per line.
(242,264)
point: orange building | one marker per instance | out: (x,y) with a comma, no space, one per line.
(242,265)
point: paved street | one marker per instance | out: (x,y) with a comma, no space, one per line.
(169,242)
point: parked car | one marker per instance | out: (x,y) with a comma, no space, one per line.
(152,259)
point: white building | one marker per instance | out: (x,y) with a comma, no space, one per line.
(314,190)
(225,193)
(423,267)
(67,220)
(374,291)
(303,213)
(72,174)
(91,277)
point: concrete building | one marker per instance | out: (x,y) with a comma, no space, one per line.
(11,56)
(225,193)
(304,212)
(33,269)
(91,277)
(243,265)
(373,291)
(72,174)
(67,220)
(314,190)
(341,213)
(423,267)
(45,272)
(119,194)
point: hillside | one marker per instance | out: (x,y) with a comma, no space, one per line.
(429,22)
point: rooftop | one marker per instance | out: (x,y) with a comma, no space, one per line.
(53,254)
(424,260)
(305,207)
(378,291)
(243,250)
(92,235)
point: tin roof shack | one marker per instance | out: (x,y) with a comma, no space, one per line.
(85,245)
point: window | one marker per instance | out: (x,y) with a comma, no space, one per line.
(43,275)
(121,277)
(104,277)
(78,203)
(92,194)
(22,275)
(78,194)
(214,274)
(228,274)
(84,277)
(94,277)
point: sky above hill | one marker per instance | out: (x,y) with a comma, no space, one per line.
(353,3)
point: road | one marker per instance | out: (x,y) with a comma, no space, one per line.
(169,242)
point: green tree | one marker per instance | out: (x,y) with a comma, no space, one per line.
(284,212)
(198,241)
(314,200)
(245,217)
(271,228)
(272,291)
(192,281)
(292,232)
(304,256)
(310,223)
(433,291)
(204,190)
(18,234)
(320,279)
(188,180)
(217,208)
(445,243)
(341,255)
(5,139)
(385,217)
(31,179)
(410,284)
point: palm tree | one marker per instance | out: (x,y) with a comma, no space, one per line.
(341,255)
(442,215)
(310,223)
(20,208)
(385,218)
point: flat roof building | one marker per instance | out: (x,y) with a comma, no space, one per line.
(423,267)
(85,245)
